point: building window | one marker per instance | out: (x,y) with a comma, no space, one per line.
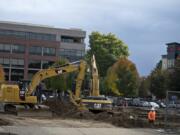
(71,54)
(35,50)
(34,64)
(170,63)
(5,62)
(17,63)
(68,39)
(31,73)
(17,74)
(5,48)
(47,64)
(47,51)
(18,49)
(28,35)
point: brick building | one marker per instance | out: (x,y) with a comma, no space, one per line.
(173,53)
(27,48)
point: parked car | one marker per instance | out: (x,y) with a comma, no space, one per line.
(137,102)
(154,105)
(161,104)
(145,104)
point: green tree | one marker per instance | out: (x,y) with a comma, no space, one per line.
(123,78)
(107,49)
(159,83)
(159,80)
(62,82)
(144,86)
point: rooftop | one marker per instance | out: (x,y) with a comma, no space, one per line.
(173,43)
(37,25)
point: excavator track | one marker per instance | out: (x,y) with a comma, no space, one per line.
(10,109)
(34,113)
(25,111)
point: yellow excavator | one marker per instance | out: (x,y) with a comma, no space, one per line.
(12,96)
(95,102)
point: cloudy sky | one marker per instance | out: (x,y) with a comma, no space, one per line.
(145,26)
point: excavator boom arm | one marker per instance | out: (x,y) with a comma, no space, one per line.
(80,78)
(95,78)
(47,73)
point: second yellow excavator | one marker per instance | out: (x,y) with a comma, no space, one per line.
(95,102)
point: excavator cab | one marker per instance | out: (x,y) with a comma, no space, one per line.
(23,87)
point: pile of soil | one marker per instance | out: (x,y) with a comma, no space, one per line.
(4,122)
(120,117)
(61,108)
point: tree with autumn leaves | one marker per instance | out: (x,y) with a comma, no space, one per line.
(118,75)
(122,78)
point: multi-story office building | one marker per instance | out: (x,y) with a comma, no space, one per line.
(27,48)
(173,53)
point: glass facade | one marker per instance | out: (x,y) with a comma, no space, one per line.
(34,64)
(47,64)
(47,51)
(28,35)
(20,45)
(170,63)
(17,63)
(71,54)
(18,49)
(5,48)
(13,47)
(5,62)
(35,50)
(31,73)
(68,39)
(17,74)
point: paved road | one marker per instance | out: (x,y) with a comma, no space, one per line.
(30,130)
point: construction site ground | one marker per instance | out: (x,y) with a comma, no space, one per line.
(14,125)
(66,119)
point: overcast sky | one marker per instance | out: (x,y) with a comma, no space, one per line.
(145,26)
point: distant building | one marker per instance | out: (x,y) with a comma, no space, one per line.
(27,48)
(173,53)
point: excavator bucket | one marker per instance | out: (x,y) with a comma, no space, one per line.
(76,102)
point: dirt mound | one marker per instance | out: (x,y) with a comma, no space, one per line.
(67,109)
(4,122)
(120,117)
(60,107)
